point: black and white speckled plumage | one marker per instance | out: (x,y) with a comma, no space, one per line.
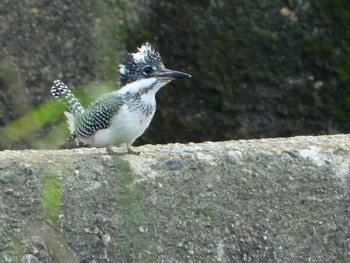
(60,91)
(123,115)
(98,115)
(133,64)
(134,103)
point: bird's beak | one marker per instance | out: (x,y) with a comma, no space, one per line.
(170,74)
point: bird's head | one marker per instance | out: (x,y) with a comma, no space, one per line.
(146,63)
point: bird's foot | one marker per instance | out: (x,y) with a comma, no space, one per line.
(112,152)
(131,151)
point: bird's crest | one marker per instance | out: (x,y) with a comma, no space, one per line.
(133,63)
(147,52)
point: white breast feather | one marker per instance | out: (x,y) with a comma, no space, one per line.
(125,127)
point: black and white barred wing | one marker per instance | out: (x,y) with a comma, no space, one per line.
(98,115)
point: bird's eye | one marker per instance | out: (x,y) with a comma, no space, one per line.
(147,69)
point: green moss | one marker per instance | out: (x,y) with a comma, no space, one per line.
(266,35)
(51,197)
(331,53)
(342,113)
(12,251)
(127,200)
(112,19)
(104,33)
(128,203)
(208,211)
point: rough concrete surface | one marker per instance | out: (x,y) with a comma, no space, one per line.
(268,200)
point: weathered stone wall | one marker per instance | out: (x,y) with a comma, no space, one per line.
(271,200)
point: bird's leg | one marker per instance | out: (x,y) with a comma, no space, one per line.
(131,151)
(111,152)
(128,147)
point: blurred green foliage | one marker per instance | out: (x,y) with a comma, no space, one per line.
(32,122)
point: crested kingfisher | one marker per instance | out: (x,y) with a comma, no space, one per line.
(120,117)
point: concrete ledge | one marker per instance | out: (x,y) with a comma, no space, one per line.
(269,200)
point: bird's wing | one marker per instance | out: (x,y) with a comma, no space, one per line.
(98,115)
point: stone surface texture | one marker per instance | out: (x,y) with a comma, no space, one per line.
(268,200)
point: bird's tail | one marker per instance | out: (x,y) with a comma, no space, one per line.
(60,91)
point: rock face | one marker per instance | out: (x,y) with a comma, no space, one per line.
(267,69)
(42,41)
(275,200)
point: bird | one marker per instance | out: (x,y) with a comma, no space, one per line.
(121,116)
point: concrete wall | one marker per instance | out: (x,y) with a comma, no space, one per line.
(269,200)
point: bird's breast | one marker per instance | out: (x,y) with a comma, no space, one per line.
(126,125)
